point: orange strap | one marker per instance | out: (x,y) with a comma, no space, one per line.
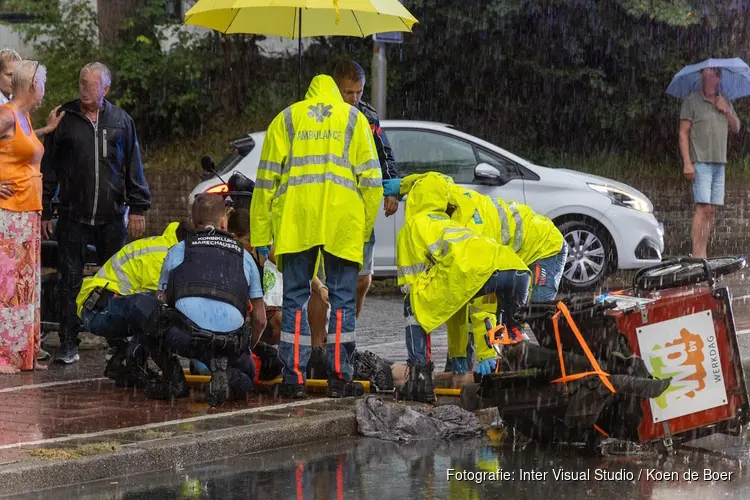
(504,338)
(562,308)
(601,431)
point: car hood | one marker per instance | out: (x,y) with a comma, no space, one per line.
(595,179)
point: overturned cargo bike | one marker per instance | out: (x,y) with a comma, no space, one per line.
(648,364)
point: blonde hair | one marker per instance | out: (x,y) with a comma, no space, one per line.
(6,56)
(27,74)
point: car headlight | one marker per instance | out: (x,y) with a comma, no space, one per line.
(623,198)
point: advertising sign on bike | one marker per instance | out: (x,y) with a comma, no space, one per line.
(685,350)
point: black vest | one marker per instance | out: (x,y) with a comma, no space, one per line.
(213,268)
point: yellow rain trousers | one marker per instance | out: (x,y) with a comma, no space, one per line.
(136,268)
(444,264)
(319,180)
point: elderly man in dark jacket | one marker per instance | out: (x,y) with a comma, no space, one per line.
(94,159)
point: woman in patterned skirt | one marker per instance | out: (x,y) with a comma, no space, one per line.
(20,215)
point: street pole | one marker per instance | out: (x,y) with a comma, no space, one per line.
(379,72)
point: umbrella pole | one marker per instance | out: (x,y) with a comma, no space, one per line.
(299,51)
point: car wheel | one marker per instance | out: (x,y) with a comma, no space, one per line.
(588,251)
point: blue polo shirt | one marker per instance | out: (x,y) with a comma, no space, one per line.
(210,314)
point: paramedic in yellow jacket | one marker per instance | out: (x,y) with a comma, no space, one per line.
(443,266)
(318,190)
(534,238)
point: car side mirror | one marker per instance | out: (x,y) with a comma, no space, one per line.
(485,171)
(207,164)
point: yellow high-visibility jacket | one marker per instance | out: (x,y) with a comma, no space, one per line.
(444,264)
(136,268)
(319,180)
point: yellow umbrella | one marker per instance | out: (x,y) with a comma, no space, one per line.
(285,18)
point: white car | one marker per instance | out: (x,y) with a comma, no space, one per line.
(608,225)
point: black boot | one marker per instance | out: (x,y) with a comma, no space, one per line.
(171,385)
(339,388)
(240,385)
(218,388)
(290,391)
(128,369)
(418,386)
(369,366)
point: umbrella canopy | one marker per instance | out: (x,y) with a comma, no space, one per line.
(301,18)
(285,17)
(735,78)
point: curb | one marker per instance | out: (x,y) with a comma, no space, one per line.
(177,452)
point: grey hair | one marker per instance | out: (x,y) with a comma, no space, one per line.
(26,74)
(6,56)
(103,70)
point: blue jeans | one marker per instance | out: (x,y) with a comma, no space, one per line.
(512,291)
(72,240)
(296,346)
(547,274)
(124,316)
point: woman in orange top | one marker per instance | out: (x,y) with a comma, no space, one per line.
(20,219)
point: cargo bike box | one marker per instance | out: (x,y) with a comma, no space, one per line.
(651,363)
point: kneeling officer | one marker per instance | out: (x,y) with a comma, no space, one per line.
(207,282)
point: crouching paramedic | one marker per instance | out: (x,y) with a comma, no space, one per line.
(207,282)
(535,239)
(317,192)
(444,266)
(115,302)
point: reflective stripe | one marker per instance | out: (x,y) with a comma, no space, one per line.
(410,270)
(123,281)
(300,161)
(371,183)
(412,321)
(504,229)
(289,338)
(289,125)
(345,337)
(350,124)
(444,247)
(518,235)
(440,243)
(263,184)
(301,180)
(368,165)
(269,166)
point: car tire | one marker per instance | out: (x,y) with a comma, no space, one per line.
(589,249)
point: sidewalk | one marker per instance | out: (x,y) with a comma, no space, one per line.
(70,424)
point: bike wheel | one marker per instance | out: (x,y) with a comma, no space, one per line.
(685,272)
